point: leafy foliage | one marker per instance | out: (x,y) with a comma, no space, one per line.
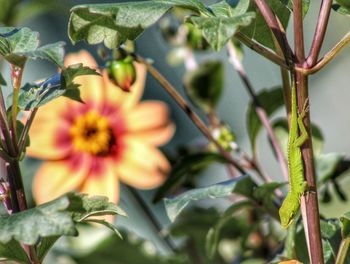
(19,44)
(35,95)
(187,167)
(175,205)
(12,250)
(130,250)
(219,29)
(343,7)
(259,29)
(204,85)
(113,24)
(270,100)
(52,220)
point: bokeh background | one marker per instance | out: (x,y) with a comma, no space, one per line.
(329,99)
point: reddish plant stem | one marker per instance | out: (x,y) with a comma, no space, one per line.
(187,109)
(274,26)
(320,32)
(310,210)
(259,110)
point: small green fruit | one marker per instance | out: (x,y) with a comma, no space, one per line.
(122,73)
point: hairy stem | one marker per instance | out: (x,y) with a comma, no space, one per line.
(24,135)
(187,109)
(320,32)
(153,219)
(268,54)
(274,26)
(310,210)
(342,251)
(259,109)
(16,76)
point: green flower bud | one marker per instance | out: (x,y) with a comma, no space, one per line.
(122,73)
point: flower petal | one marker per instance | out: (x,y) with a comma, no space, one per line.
(49,133)
(144,155)
(139,177)
(156,137)
(91,89)
(102,181)
(54,178)
(125,100)
(147,115)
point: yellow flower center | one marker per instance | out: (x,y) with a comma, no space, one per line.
(92,133)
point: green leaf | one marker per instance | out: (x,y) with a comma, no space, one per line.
(204,85)
(28,226)
(341,9)
(259,30)
(175,205)
(12,250)
(219,30)
(106,224)
(45,245)
(115,23)
(19,44)
(56,218)
(270,100)
(52,52)
(345,228)
(213,235)
(35,95)
(83,207)
(187,167)
(2,80)
(131,250)
(344,3)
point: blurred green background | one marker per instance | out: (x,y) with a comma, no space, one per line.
(329,99)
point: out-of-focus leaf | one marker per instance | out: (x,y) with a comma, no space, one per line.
(56,218)
(331,238)
(130,250)
(12,250)
(270,100)
(19,44)
(204,85)
(259,30)
(305,5)
(343,7)
(30,9)
(2,80)
(264,195)
(187,167)
(175,205)
(45,245)
(219,29)
(115,23)
(213,235)
(345,221)
(280,127)
(36,95)
(326,165)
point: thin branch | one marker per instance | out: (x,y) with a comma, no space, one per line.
(342,251)
(273,24)
(187,109)
(23,136)
(153,219)
(5,156)
(258,108)
(320,32)
(268,54)
(330,55)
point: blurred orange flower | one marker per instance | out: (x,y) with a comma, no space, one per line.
(90,147)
